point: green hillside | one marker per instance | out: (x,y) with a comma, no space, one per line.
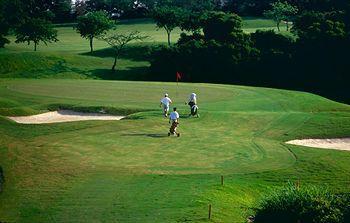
(69,57)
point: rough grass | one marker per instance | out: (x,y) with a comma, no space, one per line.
(298,203)
(130,171)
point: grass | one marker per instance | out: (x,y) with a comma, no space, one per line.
(130,171)
(70,40)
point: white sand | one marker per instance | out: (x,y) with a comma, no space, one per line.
(63,116)
(337,143)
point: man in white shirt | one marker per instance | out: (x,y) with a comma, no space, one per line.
(174,120)
(192,102)
(165,103)
(192,99)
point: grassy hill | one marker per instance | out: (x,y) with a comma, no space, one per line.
(69,58)
(130,171)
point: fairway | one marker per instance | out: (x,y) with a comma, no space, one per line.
(70,40)
(130,171)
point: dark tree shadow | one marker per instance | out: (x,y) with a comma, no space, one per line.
(127,73)
(147,135)
(136,21)
(132,74)
(135,52)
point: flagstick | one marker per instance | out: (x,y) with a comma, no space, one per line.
(177,87)
(178,77)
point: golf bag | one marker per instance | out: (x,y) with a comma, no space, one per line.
(194,110)
(172,129)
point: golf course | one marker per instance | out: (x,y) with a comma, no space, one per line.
(129,170)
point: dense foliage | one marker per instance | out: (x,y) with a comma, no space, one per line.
(305,204)
(2,178)
(30,20)
(64,11)
(141,8)
(4,27)
(314,61)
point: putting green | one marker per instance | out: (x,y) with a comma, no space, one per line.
(130,171)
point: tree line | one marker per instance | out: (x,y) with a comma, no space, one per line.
(217,50)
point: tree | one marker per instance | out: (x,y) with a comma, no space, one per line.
(168,18)
(96,5)
(317,26)
(118,43)
(62,10)
(191,21)
(4,27)
(36,30)
(222,50)
(269,42)
(80,8)
(281,11)
(15,14)
(26,9)
(92,25)
(224,28)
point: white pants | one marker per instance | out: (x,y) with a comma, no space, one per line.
(165,108)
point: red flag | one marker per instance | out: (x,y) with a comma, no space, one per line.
(178,76)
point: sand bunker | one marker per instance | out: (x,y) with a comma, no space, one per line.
(337,143)
(63,116)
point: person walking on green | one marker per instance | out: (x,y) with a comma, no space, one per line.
(174,121)
(165,103)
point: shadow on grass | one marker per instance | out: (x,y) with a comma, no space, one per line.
(136,52)
(147,135)
(132,74)
(127,73)
(136,21)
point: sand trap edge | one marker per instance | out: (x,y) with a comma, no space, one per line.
(63,116)
(331,143)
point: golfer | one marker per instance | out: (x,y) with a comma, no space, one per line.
(174,116)
(174,120)
(192,100)
(165,103)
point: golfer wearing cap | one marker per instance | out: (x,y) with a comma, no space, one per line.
(165,103)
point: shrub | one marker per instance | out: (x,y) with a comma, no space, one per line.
(268,42)
(2,179)
(306,204)
(184,38)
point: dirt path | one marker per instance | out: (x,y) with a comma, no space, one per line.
(336,143)
(63,116)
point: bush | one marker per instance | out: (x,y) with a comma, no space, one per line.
(2,179)
(268,42)
(184,38)
(3,41)
(306,204)
(346,207)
